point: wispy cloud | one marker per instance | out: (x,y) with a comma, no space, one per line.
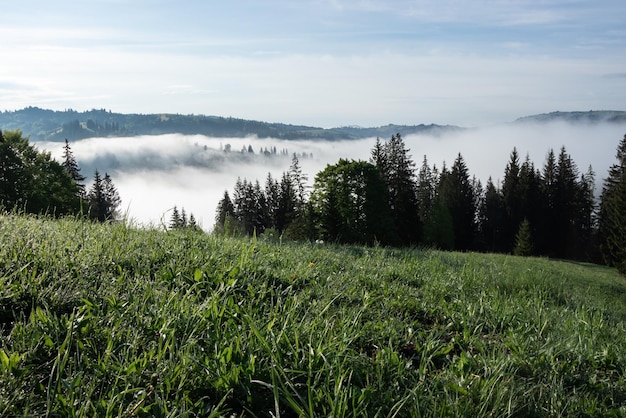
(323,63)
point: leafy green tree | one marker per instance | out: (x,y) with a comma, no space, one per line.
(612,215)
(350,202)
(32,181)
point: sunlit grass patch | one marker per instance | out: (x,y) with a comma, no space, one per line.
(110,320)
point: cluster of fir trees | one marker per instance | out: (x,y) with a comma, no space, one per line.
(281,206)
(32,181)
(179,220)
(549,211)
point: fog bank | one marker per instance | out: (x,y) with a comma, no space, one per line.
(155,173)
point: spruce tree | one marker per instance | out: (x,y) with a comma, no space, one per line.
(287,203)
(97,202)
(566,204)
(512,198)
(523,240)
(225,221)
(103,198)
(439,230)
(272,199)
(426,190)
(531,198)
(175,220)
(492,215)
(193,224)
(71,165)
(397,169)
(548,240)
(111,196)
(462,205)
(612,215)
(298,181)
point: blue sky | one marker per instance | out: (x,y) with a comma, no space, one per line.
(324,63)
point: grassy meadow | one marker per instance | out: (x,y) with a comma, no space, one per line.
(108,320)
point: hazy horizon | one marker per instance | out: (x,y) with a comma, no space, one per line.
(155,173)
(319,63)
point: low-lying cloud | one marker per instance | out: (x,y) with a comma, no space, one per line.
(155,173)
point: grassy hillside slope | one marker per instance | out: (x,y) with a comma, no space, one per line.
(105,320)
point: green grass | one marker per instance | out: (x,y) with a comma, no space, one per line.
(106,320)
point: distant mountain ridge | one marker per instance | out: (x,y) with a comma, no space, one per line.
(592,116)
(50,125)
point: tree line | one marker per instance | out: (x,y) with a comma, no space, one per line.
(31,181)
(548,211)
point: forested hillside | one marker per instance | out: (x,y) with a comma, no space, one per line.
(49,125)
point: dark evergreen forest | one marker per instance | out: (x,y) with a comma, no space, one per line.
(548,210)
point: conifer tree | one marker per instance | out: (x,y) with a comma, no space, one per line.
(97,203)
(439,230)
(492,214)
(298,181)
(272,199)
(566,204)
(612,215)
(512,198)
(523,240)
(71,165)
(398,172)
(585,220)
(103,198)
(462,205)
(111,196)
(225,221)
(426,190)
(548,239)
(193,224)
(531,198)
(183,218)
(175,220)
(287,203)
